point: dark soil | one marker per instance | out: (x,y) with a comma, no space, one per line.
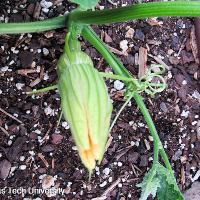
(37,147)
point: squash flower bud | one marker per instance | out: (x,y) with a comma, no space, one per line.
(86,105)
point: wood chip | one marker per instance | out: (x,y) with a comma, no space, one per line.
(25,72)
(142,62)
(154,22)
(193,44)
(107,38)
(43,160)
(35,82)
(116,51)
(4,130)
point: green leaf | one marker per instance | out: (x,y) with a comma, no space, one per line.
(169,189)
(86,4)
(149,184)
(161,181)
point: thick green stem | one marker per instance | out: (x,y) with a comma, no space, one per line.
(31,27)
(153,130)
(138,11)
(119,69)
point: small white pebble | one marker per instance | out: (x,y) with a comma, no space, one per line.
(118,85)
(46,4)
(4,69)
(37,131)
(184,82)
(45,51)
(19,86)
(22,158)
(22,167)
(28,112)
(194,123)
(45,10)
(124,45)
(32,153)
(119,137)
(74,148)
(185,113)
(1,92)
(169,75)
(101,7)
(103,184)
(65,125)
(46,76)
(120,185)
(9,142)
(110,179)
(106,171)
(39,50)
(119,164)
(132,143)
(49,111)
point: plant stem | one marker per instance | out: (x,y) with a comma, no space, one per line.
(119,77)
(137,11)
(31,27)
(153,130)
(120,111)
(46,89)
(119,69)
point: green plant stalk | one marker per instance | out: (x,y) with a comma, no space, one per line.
(137,11)
(119,69)
(32,27)
(46,89)
(122,78)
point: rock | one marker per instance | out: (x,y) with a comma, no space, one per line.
(192,68)
(163,107)
(143,161)
(130,33)
(15,150)
(174,60)
(179,78)
(133,157)
(139,35)
(48,148)
(177,155)
(26,58)
(5,167)
(187,57)
(118,85)
(57,138)
(182,94)
(47,182)
(30,8)
(194,192)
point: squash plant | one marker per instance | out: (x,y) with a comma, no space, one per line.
(90,127)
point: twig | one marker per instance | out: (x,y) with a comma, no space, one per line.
(4,130)
(6,113)
(108,190)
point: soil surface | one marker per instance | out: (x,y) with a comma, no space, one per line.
(37,153)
